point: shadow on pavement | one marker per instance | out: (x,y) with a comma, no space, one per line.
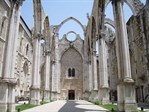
(74,106)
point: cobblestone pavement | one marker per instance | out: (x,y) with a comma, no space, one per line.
(67,106)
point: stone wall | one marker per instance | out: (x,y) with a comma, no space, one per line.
(71,53)
(138,36)
(3,32)
(138,43)
(23,66)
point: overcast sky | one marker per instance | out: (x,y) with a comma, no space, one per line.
(59,10)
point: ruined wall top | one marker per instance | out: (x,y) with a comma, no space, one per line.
(138,5)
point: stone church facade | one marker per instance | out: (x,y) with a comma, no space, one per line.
(104,65)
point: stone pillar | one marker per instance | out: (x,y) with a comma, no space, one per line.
(47,77)
(84,76)
(90,79)
(8,82)
(103,75)
(53,88)
(47,71)
(95,87)
(126,90)
(54,72)
(35,88)
(56,67)
(86,69)
(86,84)
(57,60)
(94,92)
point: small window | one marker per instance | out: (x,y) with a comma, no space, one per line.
(71,72)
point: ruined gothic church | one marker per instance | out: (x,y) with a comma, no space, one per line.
(62,69)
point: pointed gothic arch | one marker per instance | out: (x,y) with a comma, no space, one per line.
(109,22)
(130,3)
(62,54)
(71,18)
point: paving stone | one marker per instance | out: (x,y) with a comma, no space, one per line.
(68,106)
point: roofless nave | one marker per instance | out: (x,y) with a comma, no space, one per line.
(63,69)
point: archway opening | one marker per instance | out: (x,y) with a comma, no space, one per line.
(71,25)
(127,12)
(110,27)
(109,14)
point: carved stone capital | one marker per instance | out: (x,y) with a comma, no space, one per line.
(128,80)
(34,88)
(17,3)
(47,52)
(38,35)
(9,81)
(53,62)
(47,90)
(103,34)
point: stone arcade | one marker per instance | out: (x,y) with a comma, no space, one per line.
(62,69)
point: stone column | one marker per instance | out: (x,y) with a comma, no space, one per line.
(126,91)
(56,67)
(90,79)
(95,71)
(86,84)
(8,82)
(86,69)
(94,92)
(57,61)
(53,87)
(54,75)
(35,88)
(103,75)
(47,77)
(84,76)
